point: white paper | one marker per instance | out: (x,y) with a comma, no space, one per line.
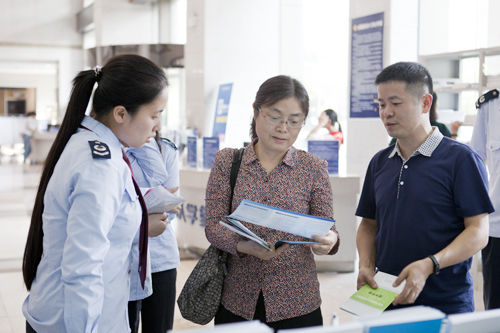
(254,326)
(158,200)
(484,321)
(413,314)
(246,235)
(350,327)
(240,229)
(282,220)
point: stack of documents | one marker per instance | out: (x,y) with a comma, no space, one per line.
(414,319)
(158,200)
(277,219)
(371,302)
(352,327)
(484,322)
(254,326)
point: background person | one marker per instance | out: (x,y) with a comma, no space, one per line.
(87,209)
(486,141)
(156,164)
(424,203)
(278,287)
(328,120)
(30,127)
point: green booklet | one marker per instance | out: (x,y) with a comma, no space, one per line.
(370,302)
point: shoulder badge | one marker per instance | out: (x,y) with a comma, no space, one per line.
(99,149)
(492,94)
(170,143)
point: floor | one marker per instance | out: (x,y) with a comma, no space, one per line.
(18,185)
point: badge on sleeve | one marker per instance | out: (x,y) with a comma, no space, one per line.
(99,149)
(492,94)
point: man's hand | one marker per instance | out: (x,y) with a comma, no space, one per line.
(415,275)
(327,243)
(365,276)
(256,250)
(157,224)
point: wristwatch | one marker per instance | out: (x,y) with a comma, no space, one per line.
(436,264)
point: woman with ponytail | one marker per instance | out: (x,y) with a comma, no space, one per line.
(88,208)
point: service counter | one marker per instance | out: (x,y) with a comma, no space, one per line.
(41,142)
(191,221)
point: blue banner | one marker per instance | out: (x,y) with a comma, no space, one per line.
(367,45)
(210,147)
(191,152)
(222,109)
(327,150)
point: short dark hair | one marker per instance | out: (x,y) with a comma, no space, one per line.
(432,111)
(274,90)
(417,78)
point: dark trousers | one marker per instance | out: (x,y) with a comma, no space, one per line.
(157,310)
(491,274)
(29,329)
(224,316)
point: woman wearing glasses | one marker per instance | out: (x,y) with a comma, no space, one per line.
(279,287)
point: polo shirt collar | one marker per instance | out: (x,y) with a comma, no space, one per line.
(426,148)
(250,156)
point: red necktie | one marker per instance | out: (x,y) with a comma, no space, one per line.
(143,237)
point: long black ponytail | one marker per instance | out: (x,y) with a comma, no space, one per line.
(127,80)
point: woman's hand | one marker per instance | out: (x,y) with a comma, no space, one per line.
(327,243)
(157,224)
(256,250)
(177,208)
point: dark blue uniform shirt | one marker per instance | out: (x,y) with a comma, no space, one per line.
(419,206)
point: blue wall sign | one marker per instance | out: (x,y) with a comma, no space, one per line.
(327,150)
(367,45)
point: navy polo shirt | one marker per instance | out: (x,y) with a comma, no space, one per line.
(419,206)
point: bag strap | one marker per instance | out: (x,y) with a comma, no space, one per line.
(235,168)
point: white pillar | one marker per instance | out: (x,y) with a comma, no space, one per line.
(366,136)
(229,41)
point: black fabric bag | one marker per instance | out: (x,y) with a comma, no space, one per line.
(200,297)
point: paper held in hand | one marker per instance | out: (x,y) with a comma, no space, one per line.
(158,200)
(278,219)
(369,302)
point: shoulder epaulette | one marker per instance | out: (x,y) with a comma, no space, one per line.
(170,143)
(99,149)
(492,94)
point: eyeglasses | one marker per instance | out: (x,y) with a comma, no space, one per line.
(294,123)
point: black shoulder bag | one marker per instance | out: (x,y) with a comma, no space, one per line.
(200,297)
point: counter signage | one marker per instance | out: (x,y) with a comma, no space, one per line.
(210,147)
(327,150)
(221,109)
(191,151)
(367,44)
(192,214)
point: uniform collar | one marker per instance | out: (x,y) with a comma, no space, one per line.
(150,160)
(103,132)
(250,156)
(426,148)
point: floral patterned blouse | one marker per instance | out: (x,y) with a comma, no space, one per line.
(288,282)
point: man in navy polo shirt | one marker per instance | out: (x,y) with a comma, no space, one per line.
(424,204)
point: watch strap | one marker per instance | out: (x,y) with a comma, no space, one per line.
(436,264)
